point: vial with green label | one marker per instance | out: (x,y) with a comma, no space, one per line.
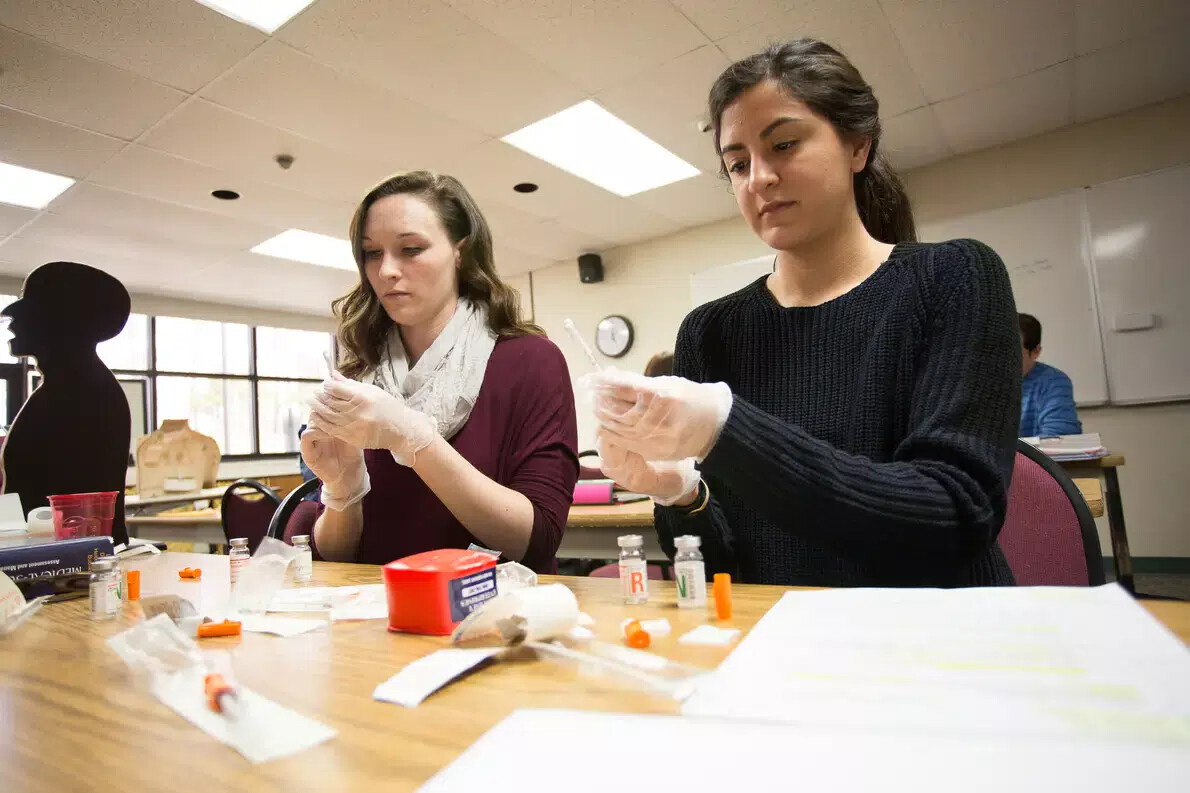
(690,572)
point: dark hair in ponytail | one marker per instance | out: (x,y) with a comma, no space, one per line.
(823,78)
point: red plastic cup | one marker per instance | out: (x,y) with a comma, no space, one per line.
(83,515)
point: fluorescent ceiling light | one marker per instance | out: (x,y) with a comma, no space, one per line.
(266,15)
(26,187)
(308,247)
(592,144)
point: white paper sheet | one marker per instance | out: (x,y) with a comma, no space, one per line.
(343,600)
(1059,662)
(279,626)
(709,635)
(426,675)
(263,731)
(716,754)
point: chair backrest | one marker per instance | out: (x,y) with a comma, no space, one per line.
(248,517)
(295,516)
(1049,536)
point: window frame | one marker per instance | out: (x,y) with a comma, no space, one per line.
(152,373)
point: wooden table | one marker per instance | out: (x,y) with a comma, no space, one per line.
(591,530)
(74,720)
(200,525)
(1105,468)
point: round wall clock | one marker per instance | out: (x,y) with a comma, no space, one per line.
(613,336)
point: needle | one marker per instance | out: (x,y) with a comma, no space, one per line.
(568,323)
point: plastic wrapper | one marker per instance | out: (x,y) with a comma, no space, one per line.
(511,576)
(261,577)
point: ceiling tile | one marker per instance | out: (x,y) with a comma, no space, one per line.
(594,44)
(178,42)
(490,170)
(691,202)
(956,46)
(913,139)
(718,19)
(667,102)
(859,29)
(430,52)
(59,85)
(537,237)
(153,174)
(92,206)
(286,88)
(617,220)
(511,261)
(124,255)
(243,147)
(1135,73)
(1102,23)
(12,218)
(1016,108)
(34,142)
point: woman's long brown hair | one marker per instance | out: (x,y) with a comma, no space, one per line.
(363,323)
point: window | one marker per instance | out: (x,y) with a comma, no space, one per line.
(199,345)
(130,349)
(214,406)
(5,333)
(284,408)
(282,352)
(247,387)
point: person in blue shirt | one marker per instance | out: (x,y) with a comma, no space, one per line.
(1047,396)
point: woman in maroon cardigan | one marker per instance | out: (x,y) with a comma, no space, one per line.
(452,421)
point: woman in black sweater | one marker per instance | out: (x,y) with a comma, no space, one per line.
(853,414)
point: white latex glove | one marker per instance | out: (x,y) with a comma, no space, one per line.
(659,418)
(665,482)
(339,465)
(368,417)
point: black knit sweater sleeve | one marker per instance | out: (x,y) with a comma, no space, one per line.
(940,499)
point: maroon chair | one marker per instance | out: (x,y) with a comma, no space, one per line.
(248,516)
(1049,536)
(295,516)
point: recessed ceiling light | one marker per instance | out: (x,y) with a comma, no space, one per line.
(592,144)
(225,195)
(525,187)
(26,187)
(266,15)
(308,247)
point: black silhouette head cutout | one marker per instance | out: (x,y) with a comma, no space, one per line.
(72,435)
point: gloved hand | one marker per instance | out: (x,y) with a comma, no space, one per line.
(659,418)
(368,417)
(339,465)
(665,482)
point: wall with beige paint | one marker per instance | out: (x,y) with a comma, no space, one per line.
(649,283)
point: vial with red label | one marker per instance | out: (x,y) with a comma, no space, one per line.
(634,578)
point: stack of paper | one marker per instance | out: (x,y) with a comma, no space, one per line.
(1056,662)
(550,750)
(1013,689)
(1088,446)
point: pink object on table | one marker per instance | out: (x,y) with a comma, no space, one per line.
(594,491)
(83,515)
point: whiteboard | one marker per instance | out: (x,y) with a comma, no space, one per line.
(1140,242)
(716,282)
(1043,246)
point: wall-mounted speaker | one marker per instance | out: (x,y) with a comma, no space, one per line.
(590,268)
